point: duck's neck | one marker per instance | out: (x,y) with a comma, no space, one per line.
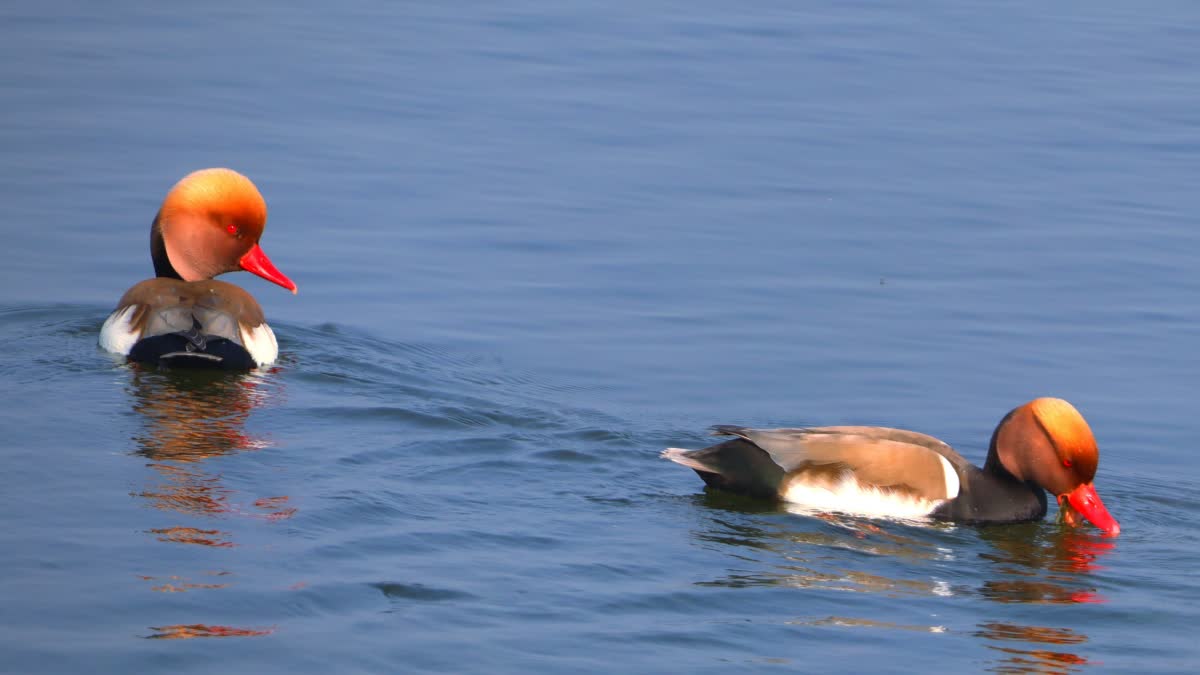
(993,494)
(989,497)
(158,254)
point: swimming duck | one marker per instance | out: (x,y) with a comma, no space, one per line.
(1043,445)
(209,224)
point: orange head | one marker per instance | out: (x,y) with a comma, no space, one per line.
(209,224)
(1047,442)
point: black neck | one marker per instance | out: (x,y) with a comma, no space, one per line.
(158,254)
(989,497)
(993,464)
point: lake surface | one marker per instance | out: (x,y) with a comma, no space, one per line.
(538,242)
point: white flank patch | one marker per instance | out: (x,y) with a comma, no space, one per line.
(260,342)
(851,497)
(116,335)
(951,477)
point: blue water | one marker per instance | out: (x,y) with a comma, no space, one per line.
(538,242)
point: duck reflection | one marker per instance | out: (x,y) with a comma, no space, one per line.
(1043,564)
(1040,564)
(1038,660)
(797,552)
(189,418)
(193,415)
(1034,563)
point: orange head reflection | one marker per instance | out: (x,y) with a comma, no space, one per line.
(1066,553)
(1032,657)
(188,419)
(1043,564)
(202,630)
(190,416)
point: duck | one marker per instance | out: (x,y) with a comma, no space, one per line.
(209,223)
(1042,446)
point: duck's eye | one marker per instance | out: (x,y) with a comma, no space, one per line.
(232,229)
(1067,463)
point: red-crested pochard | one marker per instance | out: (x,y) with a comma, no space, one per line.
(876,471)
(209,224)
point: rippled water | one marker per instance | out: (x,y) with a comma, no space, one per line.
(537,243)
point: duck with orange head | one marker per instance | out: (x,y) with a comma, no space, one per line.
(210,223)
(1043,445)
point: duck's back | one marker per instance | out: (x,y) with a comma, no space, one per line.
(207,323)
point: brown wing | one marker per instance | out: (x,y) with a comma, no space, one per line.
(877,456)
(169,305)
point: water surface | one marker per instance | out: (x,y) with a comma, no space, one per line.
(536,243)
